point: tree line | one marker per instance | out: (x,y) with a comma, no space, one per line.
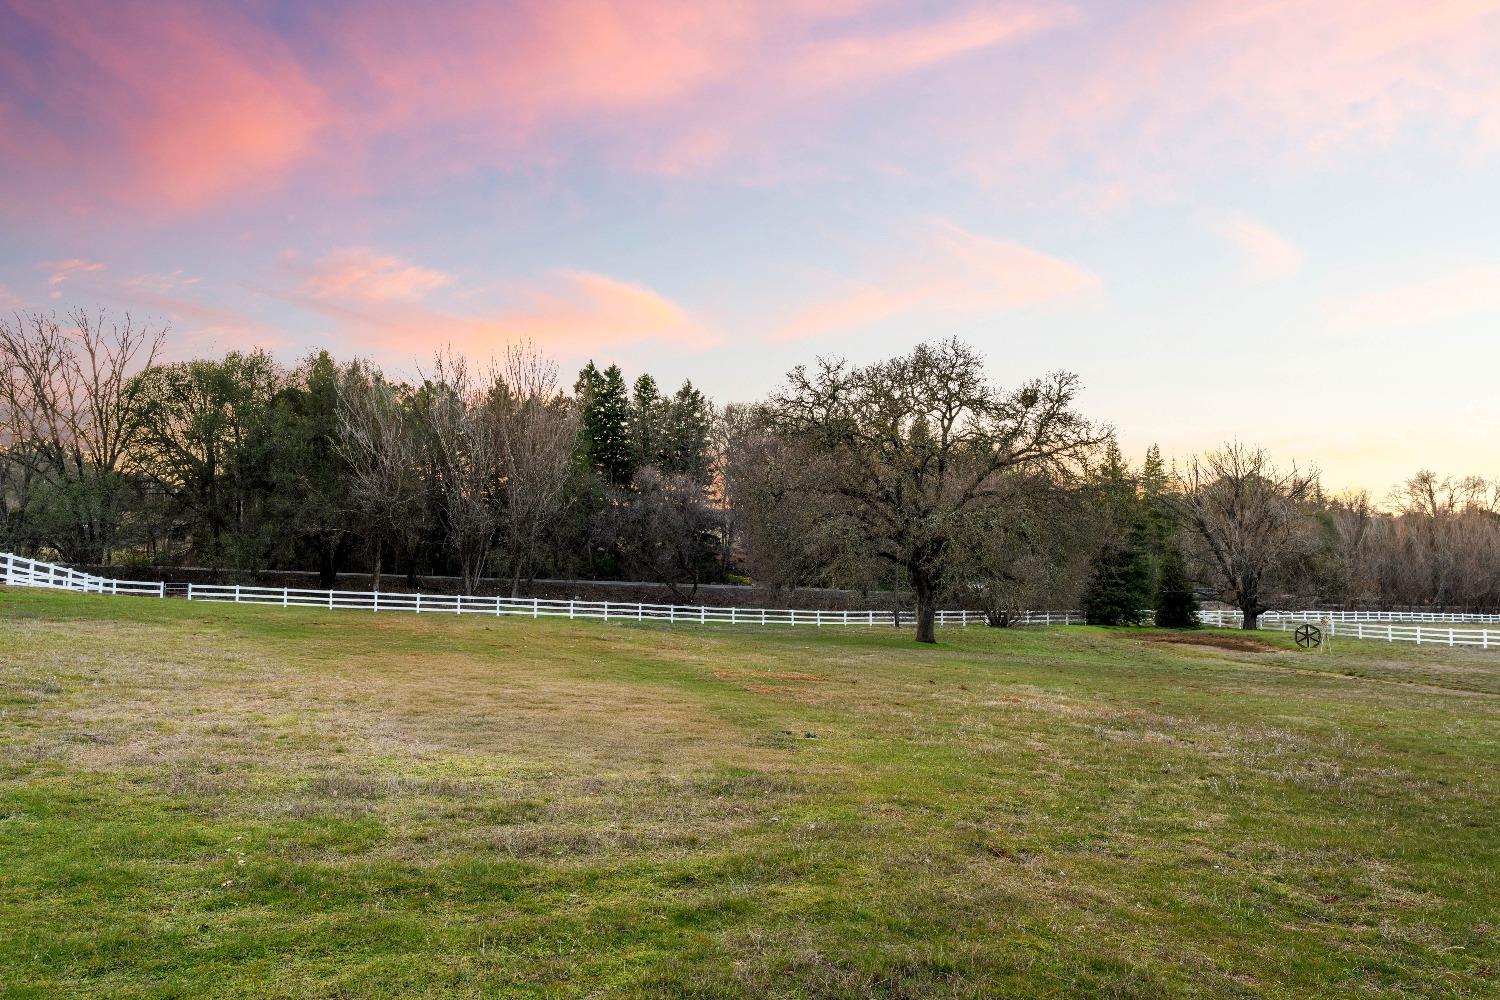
(915,473)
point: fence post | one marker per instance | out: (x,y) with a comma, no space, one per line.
(702,614)
(1450,636)
(285,597)
(190,591)
(1419,635)
(570,610)
(419,602)
(330,600)
(732,616)
(236,593)
(762,616)
(535,612)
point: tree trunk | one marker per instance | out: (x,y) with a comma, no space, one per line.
(926,612)
(375,575)
(327,567)
(1251,619)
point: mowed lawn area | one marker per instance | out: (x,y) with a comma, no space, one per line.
(210,800)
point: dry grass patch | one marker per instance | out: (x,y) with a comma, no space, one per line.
(1232,643)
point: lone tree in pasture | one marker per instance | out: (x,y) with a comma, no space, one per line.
(917,443)
(1176,604)
(71,411)
(1247,516)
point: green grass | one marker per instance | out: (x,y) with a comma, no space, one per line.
(207,800)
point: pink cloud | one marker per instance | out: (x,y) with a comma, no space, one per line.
(1455,295)
(171,105)
(952,270)
(198,328)
(161,284)
(165,103)
(361,274)
(1188,86)
(861,57)
(62,270)
(570,312)
(1265,254)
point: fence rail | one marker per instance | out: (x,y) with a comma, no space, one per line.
(1428,628)
(21,572)
(1421,628)
(529,607)
(1399,617)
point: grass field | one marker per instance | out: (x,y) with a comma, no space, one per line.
(219,801)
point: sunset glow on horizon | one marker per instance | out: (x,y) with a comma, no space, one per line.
(1270,220)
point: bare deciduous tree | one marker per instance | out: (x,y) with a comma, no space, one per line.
(70,411)
(538,429)
(467,459)
(917,442)
(1247,516)
(380,441)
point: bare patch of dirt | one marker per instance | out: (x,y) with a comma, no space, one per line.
(1232,643)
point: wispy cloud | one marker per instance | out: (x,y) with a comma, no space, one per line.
(950,270)
(62,270)
(360,273)
(1173,89)
(185,104)
(1264,253)
(1443,298)
(570,312)
(161,283)
(166,105)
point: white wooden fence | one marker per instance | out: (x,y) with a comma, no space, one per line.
(531,607)
(1419,627)
(1399,617)
(19,572)
(1430,628)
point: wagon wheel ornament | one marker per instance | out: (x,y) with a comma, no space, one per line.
(1309,636)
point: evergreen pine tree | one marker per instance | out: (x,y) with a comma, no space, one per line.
(605,408)
(1119,581)
(1157,512)
(1176,604)
(685,433)
(646,419)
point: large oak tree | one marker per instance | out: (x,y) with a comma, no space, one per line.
(916,444)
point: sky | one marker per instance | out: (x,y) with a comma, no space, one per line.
(1254,219)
